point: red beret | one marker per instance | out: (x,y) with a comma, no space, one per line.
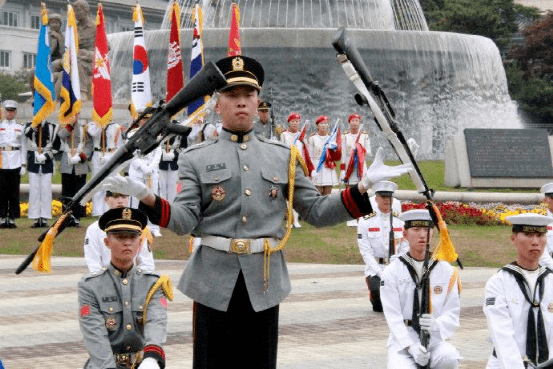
(293,116)
(320,119)
(354,115)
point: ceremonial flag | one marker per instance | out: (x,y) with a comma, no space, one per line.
(306,157)
(70,91)
(43,82)
(101,81)
(141,94)
(234,46)
(175,70)
(331,150)
(356,158)
(197,57)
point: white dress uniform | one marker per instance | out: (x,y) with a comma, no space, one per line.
(348,144)
(397,292)
(106,141)
(12,143)
(169,169)
(396,205)
(507,311)
(98,256)
(326,176)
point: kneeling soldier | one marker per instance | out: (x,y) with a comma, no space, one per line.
(123,310)
(519,300)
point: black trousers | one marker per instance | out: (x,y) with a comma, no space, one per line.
(237,338)
(9,200)
(373,283)
(70,185)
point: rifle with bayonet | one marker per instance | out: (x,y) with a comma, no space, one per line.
(146,139)
(372,95)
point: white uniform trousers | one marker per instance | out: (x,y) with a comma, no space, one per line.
(40,195)
(443,356)
(98,204)
(168,180)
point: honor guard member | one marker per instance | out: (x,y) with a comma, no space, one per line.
(123,308)
(374,233)
(290,137)
(169,167)
(265,126)
(145,168)
(326,178)
(97,255)
(400,292)
(234,196)
(77,147)
(106,140)
(40,159)
(12,164)
(519,300)
(546,259)
(356,146)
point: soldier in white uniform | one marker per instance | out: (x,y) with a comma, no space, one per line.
(326,178)
(519,300)
(169,167)
(120,325)
(145,168)
(234,196)
(373,238)
(290,137)
(40,159)
(546,259)
(400,292)
(357,142)
(97,255)
(106,141)
(12,164)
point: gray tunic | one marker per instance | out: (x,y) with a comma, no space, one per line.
(82,143)
(111,308)
(239,190)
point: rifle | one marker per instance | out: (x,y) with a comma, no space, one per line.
(146,139)
(371,94)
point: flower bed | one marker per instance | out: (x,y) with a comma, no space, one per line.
(56,208)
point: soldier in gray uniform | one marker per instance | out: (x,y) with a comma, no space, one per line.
(233,196)
(120,326)
(265,126)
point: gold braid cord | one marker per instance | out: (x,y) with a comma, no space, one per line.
(445,249)
(294,156)
(165,283)
(41,261)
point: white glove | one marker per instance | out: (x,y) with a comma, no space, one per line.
(419,353)
(168,156)
(146,169)
(76,159)
(22,171)
(378,171)
(428,323)
(149,363)
(127,186)
(40,158)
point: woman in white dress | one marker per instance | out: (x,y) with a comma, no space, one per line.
(326,177)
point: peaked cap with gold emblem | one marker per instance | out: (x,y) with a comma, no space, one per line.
(123,220)
(240,70)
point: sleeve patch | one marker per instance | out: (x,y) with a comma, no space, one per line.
(85,310)
(490,301)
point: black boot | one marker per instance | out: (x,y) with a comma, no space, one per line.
(43,223)
(11,223)
(36,224)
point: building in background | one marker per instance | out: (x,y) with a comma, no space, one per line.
(20,24)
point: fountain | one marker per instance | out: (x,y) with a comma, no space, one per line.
(439,83)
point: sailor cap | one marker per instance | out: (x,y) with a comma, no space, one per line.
(417,218)
(529,222)
(384,188)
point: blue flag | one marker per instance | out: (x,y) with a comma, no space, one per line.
(43,82)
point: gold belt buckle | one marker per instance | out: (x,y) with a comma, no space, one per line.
(123,360)
(240,246)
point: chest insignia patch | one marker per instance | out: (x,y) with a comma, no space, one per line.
(111,323)
(273,192)
(218,193)
(438,290)
(212,167)
(550,307)
(374,229)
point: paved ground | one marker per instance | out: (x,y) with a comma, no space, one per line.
(325,323)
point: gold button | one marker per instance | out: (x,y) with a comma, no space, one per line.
(243,146)
(110,309)
(244,219)
(140,307)
(128,348)
(248,192)
(246,138)
(246,168)
(234,138)
(116,272)
(275,178)
(129,327)
(139,271)
(216,179)
(126,303)
(125,281)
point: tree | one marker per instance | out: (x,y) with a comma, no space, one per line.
(11,85)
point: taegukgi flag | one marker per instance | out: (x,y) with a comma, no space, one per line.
(141,93)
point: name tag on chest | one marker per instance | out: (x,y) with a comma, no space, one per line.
(212,167)
(109,298)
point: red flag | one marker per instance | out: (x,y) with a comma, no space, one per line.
(336,155)
(101,78)
(234,46)
(175,69)
(305,151)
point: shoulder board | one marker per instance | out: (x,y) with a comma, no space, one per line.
(278,143)
(200,145)
(150,272)
(368,216)
(95,274)
(396,214)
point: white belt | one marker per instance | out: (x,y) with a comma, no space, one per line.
(238,245)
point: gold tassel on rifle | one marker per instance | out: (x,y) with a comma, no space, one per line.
(41,261)
(165,283)
(445,249)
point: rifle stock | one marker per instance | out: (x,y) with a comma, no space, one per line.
(147,138)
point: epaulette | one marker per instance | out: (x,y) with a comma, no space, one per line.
(368,216)
(200,145)
(278,143)
(95,273)
(396,214)
(149,272)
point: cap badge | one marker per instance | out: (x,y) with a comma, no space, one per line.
(237,64)
(126,214)
(218,193)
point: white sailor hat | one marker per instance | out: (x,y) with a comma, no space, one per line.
(417,218)
(10,104)
(529,222)
(384,188)
(547,189)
